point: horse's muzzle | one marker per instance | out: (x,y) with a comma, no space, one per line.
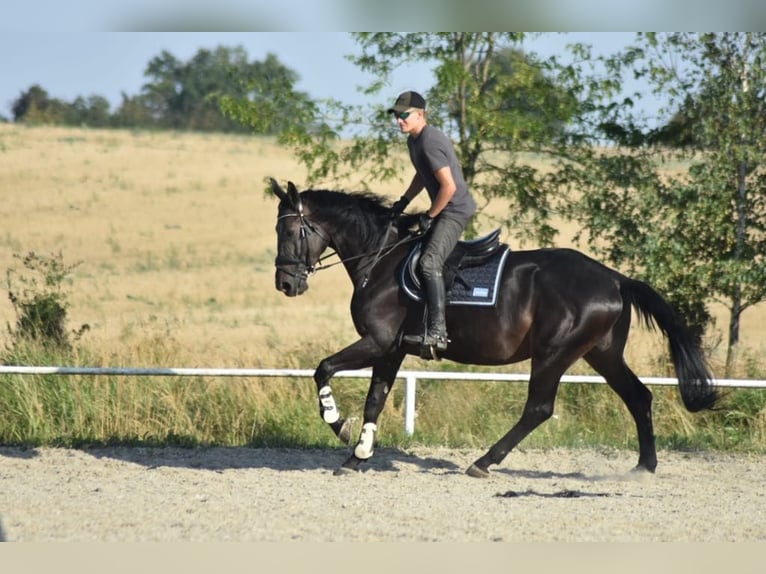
(291,284)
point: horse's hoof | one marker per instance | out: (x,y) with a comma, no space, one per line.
(344,471)
(477,472)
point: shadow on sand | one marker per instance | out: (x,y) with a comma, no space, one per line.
(23,452)
(219,459)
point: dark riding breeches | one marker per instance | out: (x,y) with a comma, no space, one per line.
(442,238)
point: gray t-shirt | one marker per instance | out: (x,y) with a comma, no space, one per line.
(432,150)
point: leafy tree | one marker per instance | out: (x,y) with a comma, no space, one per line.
(267,102)
(133,112)
(92,111)
(537,108)
(162,94)
(186,95)
(497,103)
(698,233)
(35,106)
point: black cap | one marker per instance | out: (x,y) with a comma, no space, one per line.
(407,101)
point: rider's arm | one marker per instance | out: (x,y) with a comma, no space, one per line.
(447,189)
(416,186)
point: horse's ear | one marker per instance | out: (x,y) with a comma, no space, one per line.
(278,191)
(292,193)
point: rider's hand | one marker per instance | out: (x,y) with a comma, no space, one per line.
(424,222)
(399,206)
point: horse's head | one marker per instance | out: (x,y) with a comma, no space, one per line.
(300,242)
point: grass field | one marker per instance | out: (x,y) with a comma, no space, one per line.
(175,242)
(174,239)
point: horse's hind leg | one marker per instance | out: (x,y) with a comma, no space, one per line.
(543,385)
(383,375)
(611,365)
(608,361)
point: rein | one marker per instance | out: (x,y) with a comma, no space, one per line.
(380,255)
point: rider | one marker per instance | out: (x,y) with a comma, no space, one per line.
(438,171)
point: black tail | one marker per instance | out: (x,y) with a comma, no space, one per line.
(695,381)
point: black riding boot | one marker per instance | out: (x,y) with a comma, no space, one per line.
(436,333)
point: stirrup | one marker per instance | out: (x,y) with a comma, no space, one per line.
(438,342)
(431,348)
(429,344)
(414,339)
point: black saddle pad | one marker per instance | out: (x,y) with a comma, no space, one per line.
(471,281)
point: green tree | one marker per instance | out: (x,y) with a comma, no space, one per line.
(133,112)
(699,233)
(500,106)
(35,106)
(187,95)
(162,93)
(92,111)
(267,102)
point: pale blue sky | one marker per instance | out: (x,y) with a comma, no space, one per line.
(84,47)
(71,64)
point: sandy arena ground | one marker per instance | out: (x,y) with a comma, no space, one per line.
(283,495)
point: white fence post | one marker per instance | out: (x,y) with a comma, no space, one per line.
(410,386)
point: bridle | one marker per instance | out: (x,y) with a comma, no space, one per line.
(304,268)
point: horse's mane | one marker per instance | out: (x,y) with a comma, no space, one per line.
(365,215)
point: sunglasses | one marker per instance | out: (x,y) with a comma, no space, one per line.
(403,115)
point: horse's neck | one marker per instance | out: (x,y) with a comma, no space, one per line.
(360,259)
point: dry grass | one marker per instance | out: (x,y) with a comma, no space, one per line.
(176,242)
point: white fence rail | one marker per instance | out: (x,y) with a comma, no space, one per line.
(410,378)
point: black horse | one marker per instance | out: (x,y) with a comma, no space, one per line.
(553,306)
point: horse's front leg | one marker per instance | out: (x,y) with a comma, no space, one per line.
(359,355)
(383,376)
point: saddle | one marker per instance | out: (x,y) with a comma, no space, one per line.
(471,272)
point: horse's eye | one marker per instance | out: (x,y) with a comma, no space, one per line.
(285,231)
